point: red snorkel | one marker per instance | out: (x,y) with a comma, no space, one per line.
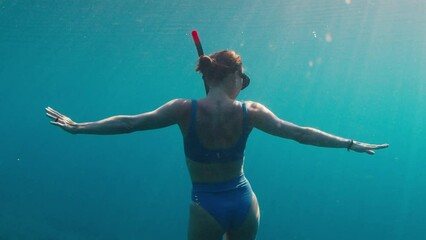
(200,52)
(197,43)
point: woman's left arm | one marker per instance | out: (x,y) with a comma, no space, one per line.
(166,115)
(265,120)
(312,136)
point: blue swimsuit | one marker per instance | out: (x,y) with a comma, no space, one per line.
(228,202)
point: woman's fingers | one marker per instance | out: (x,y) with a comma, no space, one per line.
(59,119)
(368,148)
(382,146)
(374,146)
(56,123)
(371,152)
(53,112)
(53,117)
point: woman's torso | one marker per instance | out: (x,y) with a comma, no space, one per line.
(215,127)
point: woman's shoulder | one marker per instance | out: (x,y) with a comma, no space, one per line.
(181,100)
(253,106)
(178,105)
(181,108)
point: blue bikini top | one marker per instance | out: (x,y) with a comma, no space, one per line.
(195,150)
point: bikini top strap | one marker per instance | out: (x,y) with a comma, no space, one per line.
(245,117)
(193,114)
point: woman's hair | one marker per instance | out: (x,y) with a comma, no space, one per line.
(219,64)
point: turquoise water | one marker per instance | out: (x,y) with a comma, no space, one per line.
(352,68)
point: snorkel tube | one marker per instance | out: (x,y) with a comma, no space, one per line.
(246,79)
(197,43)
(200,53)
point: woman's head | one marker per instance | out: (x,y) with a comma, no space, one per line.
(219,65)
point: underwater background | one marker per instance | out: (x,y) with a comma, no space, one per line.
(351,68)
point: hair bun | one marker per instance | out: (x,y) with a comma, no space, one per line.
(205,63)
(218,65)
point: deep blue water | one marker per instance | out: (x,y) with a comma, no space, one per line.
(351,68)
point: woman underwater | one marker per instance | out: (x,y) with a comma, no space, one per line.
(215,130)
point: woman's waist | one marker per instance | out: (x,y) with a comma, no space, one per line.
(214,172)
(227,185)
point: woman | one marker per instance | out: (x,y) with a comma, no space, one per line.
(215,130)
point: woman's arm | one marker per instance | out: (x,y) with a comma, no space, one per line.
(265,120)
(166,115)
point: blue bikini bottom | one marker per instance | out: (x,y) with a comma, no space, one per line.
(228,202)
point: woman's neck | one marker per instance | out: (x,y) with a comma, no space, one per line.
(220,93)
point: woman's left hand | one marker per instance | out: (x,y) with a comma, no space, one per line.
(366,147)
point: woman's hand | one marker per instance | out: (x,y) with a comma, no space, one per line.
(366,147)
(61,120)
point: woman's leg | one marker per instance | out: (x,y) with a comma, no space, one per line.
(202,226)
(248,230)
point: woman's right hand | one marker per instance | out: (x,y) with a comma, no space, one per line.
(61,120)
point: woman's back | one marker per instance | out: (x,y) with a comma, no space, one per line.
(220,124)
(215,139)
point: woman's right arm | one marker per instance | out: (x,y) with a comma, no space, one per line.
(265,120)
(166,115)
